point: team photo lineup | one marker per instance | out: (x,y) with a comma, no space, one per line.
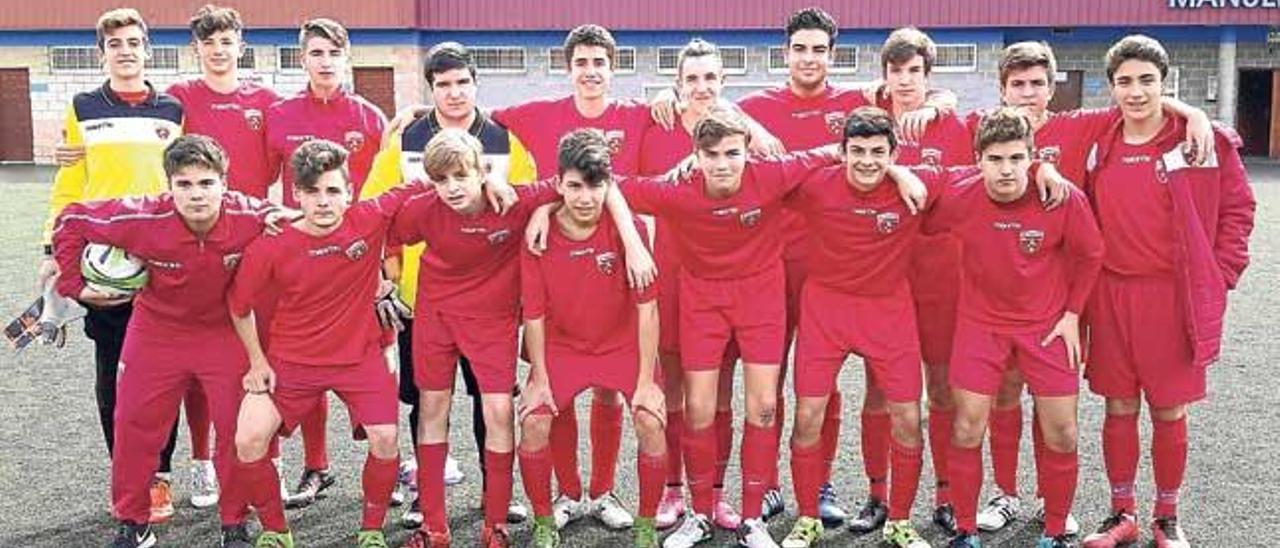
(238,256)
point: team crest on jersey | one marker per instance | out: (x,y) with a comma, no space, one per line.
(750,217)
(353,140)
(231,260)
(931,157)
(357,250)
(616,138)
(607,263)
(499,236)
(835,122)
(162,132)
(1162,173)
(887,222)
(1030,240)
(253,117)
(1049,155)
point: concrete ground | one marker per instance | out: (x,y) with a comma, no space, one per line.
(54,471)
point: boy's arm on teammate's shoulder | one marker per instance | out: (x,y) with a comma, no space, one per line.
(783,173)
(648,395)
(642,271)
(646,195)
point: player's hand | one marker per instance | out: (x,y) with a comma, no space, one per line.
(46,273)
(273,224)
(665,108)
(1068,329)
(261,379)
(66,155)
(1053,187)
(1199,146)
(873,90)
(502,197)
(911,125)
(535,395)
(648,396)
(536,230)
(683,169)
(764,143)
(102,299)
(391,311)
(402,119)
(641,269)
(910,188)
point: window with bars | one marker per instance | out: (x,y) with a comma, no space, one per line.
(626,60)
(164,58)
(956,58)
(844,60)
(289,58)
(71,58)
(504,59)
(734,58)
(247,61)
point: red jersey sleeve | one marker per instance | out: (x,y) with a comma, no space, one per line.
(648,195)
(253,275)
(1235,209)
(650,292)
(1084,249)
(515,117)
(407,225)
(533,289)
(120,223)
(783,174)
(1087,125)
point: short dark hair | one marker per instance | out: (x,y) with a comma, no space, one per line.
(869,122)
(1137,47)
(447,56)
(1024,55)
(315,158)
(591,35)
(718,125)
(587,152)
(322,27)
(119,18)
(211,19)
(695,48)
(812,19)
(905,43)
(1003,125)
(194,150)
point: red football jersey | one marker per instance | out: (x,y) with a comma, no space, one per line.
(1137,209)
(187,275)
(540,123)
(471,264)
(580,288)
(1023,266)
(324,286)
(236,121)
(730,237)
(1065,138)
(346,119)
(802,123)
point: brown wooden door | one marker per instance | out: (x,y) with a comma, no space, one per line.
(15,116)
(378,86)
(1067,95)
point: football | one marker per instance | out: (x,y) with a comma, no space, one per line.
(112,270)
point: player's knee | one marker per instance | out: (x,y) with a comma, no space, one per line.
(650,435)
(699,411)
(1060,437)
(808,425)
(762,409)
(1169,414)
(1123,406)
(967,431)
(251,445)
(433,406)
(535,431)
(904,423)
(382,440)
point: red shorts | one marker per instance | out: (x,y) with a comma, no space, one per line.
(669,309)
(369,390)
(1139,344)
(935,285)
(881,329)
(797,271)
(982,355)
(439,339)
(569,372)
(750,311)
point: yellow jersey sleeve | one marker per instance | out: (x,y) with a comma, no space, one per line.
(69,181)
(520,167)
(385,173)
